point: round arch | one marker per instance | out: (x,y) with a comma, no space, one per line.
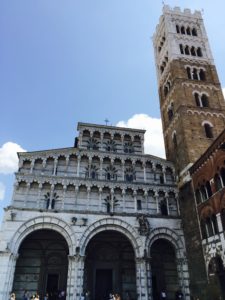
(111,224)
(44,222)
(169,235)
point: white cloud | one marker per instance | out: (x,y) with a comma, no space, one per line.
(2,191)
(154,143)
(8,157)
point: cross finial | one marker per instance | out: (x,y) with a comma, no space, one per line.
(106,121)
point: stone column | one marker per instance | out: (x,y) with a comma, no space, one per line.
(141,279)
(8,264)
(72,278)
(157,202)
(124,203)
(55,166)
(63,198)
(219,222)
(135,200)
(144,170)
(78,165)
(43,166)
(67,164)
(32,166)
(101,142)
(100,199)
(88,197)
(146,199)
(178,206)
(39,196)
(167,204)
(123,170)
(164,174)
(101,166)
(51,196)
(79,276)
(183,276)
(76,194)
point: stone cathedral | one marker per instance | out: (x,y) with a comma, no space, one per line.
(102,216)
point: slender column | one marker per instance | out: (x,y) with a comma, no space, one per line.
(88,197)
(51,196)
(142,146)
(178,206)
(146,200)
(64,196)
(124,202)
(100,199)
(55,166)
(157,202)
(112,200)
(67,164)
(39,196)
(135,200)
(123,170)
(183,277)
(79,275)
(101,142)
(89,166)
(167,204)
(78,165)
(101,168)
(164,174)
(32,166)
(133,166)
(76,194)
(144,170)
(219,222)
(72,278)
(122,142)
(43,166)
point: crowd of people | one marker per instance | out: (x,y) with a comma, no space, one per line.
(60,295)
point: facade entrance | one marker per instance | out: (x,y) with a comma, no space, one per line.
(164,269)
(42,264)
(109,266)
(216,275)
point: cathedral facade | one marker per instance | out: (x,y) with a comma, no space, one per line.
(96,217)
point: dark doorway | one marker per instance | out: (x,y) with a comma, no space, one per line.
(42,264)
(164,269)
(103,284)
(109,266)
(52,286)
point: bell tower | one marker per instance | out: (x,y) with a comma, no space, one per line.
(191,99)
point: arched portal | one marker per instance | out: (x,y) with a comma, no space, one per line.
(216,273)
(110,266)
(42,265)
(164,269)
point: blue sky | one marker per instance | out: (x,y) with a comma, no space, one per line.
(81,60)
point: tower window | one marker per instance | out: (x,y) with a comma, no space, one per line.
(139,206)
(186,50)
(198,196)
(208,131)
(199,52)
(218,183)
(177,29)
(182,30)
(193,53)
(195,74)
(194,32)
(208,188)
(197,99)
(202,74)
(204,100)
(188,31)
(189,73)
(181,49)
(175,140)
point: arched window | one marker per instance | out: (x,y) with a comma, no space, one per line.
(202,75)
(203,192)
(174,137)
(208,131)
(181,49)
(189,73)
(209,227)
(159,49)
(198,196)
(193,53)
(139,206)
(177,29)
(188,31)
(222,174)
(182,30)
(163,208)
(204,100)
(161,69)
(166,91)
(218,183)
(214,224)
(186,50)
(194,32)
(197,99)
(199,52)
(203,229)
(195,74)
(208,188)
(170,112)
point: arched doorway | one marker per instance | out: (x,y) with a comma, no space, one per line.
(164,269)
(42,265)
(216,273)
(110,266)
